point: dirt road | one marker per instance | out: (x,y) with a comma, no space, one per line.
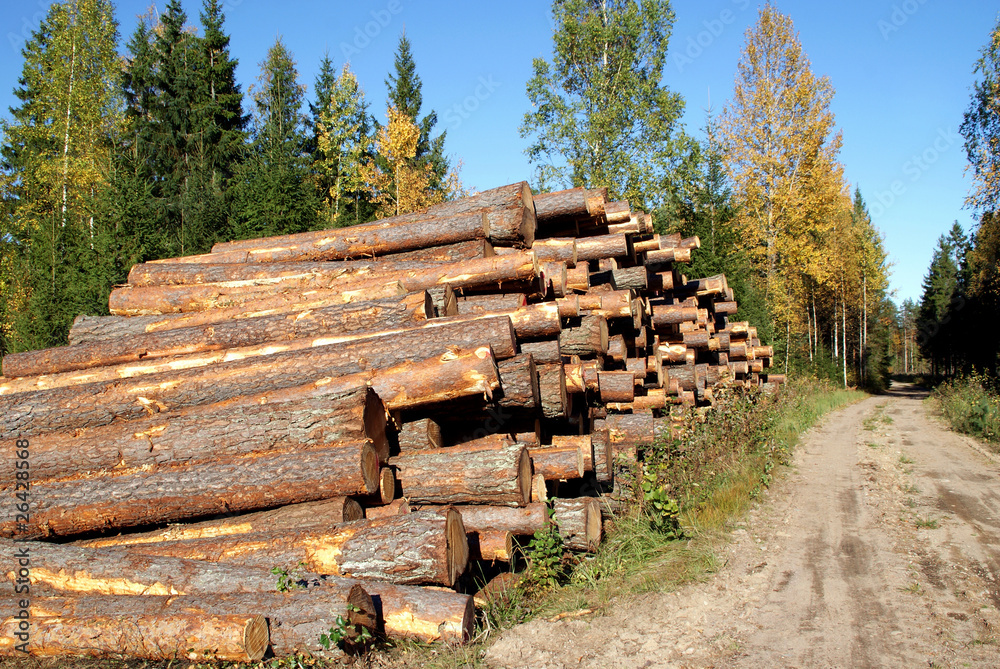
(880,548)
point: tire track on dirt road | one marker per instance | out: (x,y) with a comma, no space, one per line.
(878,548)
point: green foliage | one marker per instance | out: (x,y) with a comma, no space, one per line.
(661,509)
(288,579)
(600,113)
(545,569)
(981,126)
(972,405)
(341,633)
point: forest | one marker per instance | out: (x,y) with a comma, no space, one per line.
(123,151)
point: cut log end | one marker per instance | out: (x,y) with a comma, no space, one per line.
(524,474)
(362,607)
(376,422)
(256,638)
(370,469)
(458,545)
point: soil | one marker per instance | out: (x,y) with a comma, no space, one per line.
(879,547)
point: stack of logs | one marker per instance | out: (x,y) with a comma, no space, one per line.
(287,430)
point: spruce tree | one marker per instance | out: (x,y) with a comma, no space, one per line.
(273,191)
(223,123)
(406,95)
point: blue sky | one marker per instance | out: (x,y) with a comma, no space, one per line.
(902,70)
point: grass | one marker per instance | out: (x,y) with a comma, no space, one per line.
(971,404)
(926,523)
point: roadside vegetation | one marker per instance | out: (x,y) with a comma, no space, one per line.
(971,404)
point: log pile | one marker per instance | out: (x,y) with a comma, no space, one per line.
(363,411)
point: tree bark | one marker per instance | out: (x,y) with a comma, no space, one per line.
(238,637)
(545,352)
(245,371)
(420,547)
(487,304)
(579,522)
(323,514)
(616,386)
(587,340)
(581,442)
(459,252)
(196,434)
(571,203)
(556,250)
(397,507)
(552,390)
(138,497)
(518,383)
(669,314)
(602,246)
(137,345)
(491,546)
(462,475)
(510,210)
(103,329)
(425,614)
(601,443)
(419,435)
(391,235)
(558,462)
(521,521)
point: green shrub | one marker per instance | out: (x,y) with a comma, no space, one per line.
(972,406)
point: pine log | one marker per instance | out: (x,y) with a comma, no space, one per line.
(639,368)
(397,507)
(582,442)
(296,618)
(99,403)
(134,346)
(422,547)
(459,252)
(510,210)
(685,375)
(635,278)
(616,386)
(390,235)
(558,462)
(727,308)
(661,281)
(62,568)
(169,494)
(232,428)
(647,243)
(556,250)
(668,255)
(601,443)
(485,304)
(602,246)
(666,314)
(521,521)
(617,212)
(493,545)
(323,514)
(579,522)
(590,338)
(420,434)
(571,203)
(700,339)
(239,637)
(673,353)
(104,329)
(518,383)
(555,277)
(386,492)
(617,348)
(248,295)
(552,390)
(466,475)
(578,278)
(425,614)
(545,352)
(381,279)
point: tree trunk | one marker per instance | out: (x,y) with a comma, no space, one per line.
(667,314)
(556,250)
(491,304)
(558,462)
(425,614)
(390,235)
(581,442)
(239,637)
(137,345)
(323,514)
(587,340)
(397,507)
(492,546)
(546,352)
(518,383)
(419,547)
(460,252)
(510,210)
(245,371)
(571,203)
(579,522)
(602,246)
(601,443)
(521,521)
(419,435)
(238,427)
(462,475)
(138,497)
(552,390)
(296,619)
(616,386)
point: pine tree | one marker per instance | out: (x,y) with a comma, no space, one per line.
(600,114)
(273,191)
(405,94)
(940,298)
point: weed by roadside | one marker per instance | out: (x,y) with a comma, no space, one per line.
(971,404)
